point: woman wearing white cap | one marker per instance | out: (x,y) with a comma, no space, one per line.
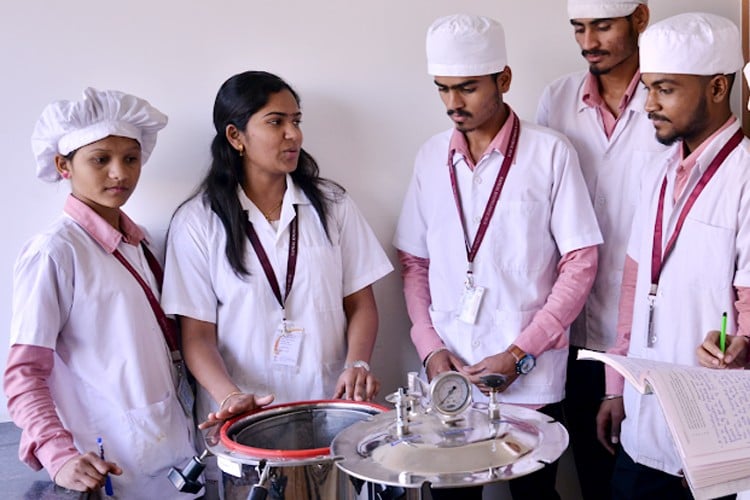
(90,366)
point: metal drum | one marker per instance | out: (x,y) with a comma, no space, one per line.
(291,440)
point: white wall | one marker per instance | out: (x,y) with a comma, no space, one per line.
(358,66)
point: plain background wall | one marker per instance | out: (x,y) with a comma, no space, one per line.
(359,67)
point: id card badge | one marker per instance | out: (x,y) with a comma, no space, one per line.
(287,345)
(469,303)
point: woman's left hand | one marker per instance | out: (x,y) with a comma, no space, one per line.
(233,405)
(357,384)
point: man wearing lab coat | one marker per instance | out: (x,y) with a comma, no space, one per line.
(688,259)
(601,111)
(497,236)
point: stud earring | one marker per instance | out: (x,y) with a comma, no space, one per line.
(64,174)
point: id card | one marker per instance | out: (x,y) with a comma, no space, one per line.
(287,345)
(469,303)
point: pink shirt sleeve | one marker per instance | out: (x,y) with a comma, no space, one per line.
(743,310)
(577,270)
(44,440)
(414,271)
(614,381)
(547,330)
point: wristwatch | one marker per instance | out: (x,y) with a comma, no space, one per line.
(524,362)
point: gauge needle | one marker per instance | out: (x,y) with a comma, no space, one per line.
(453,388)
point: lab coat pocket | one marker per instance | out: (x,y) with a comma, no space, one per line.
(325,276)
(521,242)
(160,436)
(714,247)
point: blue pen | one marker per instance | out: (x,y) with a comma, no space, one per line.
(107,482)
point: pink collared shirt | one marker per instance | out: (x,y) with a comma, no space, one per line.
(592,98)
(459,145)
(682,174)
(98,228)
(45,442)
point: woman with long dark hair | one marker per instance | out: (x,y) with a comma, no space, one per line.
(269,267)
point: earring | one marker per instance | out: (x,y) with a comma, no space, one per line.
(64,174)
(242,150)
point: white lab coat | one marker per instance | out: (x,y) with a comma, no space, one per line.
(710,258)
(543,212)
(112,375)
(199,283)
(612,168)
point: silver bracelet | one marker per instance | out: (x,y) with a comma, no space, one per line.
(429,356)
(358,364)
(607,397)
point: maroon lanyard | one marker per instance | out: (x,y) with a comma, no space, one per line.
(291,263)
(657,260)
(471,250)
(168,326)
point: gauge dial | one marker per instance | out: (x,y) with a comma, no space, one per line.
(450,393)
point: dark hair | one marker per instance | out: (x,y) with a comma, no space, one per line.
(238,99)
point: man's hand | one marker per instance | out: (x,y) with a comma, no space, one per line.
(443,361)
(503,363)
(608,420)
(710,355)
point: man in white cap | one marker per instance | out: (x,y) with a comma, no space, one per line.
(688,259)
(601,112)
(498,247)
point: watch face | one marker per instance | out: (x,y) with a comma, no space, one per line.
(525,364)
(450,393)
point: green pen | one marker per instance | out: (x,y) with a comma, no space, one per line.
(723,334)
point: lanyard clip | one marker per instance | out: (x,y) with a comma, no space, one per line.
(469,282)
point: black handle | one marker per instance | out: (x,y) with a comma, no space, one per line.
(494,380)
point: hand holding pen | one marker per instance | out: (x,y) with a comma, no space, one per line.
(87,472)
(722,350)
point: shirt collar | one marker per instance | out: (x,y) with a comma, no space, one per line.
(459,146)
(292,196)
(687,162)
(99,229)
(591,97)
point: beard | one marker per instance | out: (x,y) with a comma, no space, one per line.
(596,71)
(696,125)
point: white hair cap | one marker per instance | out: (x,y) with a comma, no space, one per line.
(68,125)
(695,43)
(465,45)
(747,80)
(602,9)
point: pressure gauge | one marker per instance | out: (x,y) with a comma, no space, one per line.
(450,393)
